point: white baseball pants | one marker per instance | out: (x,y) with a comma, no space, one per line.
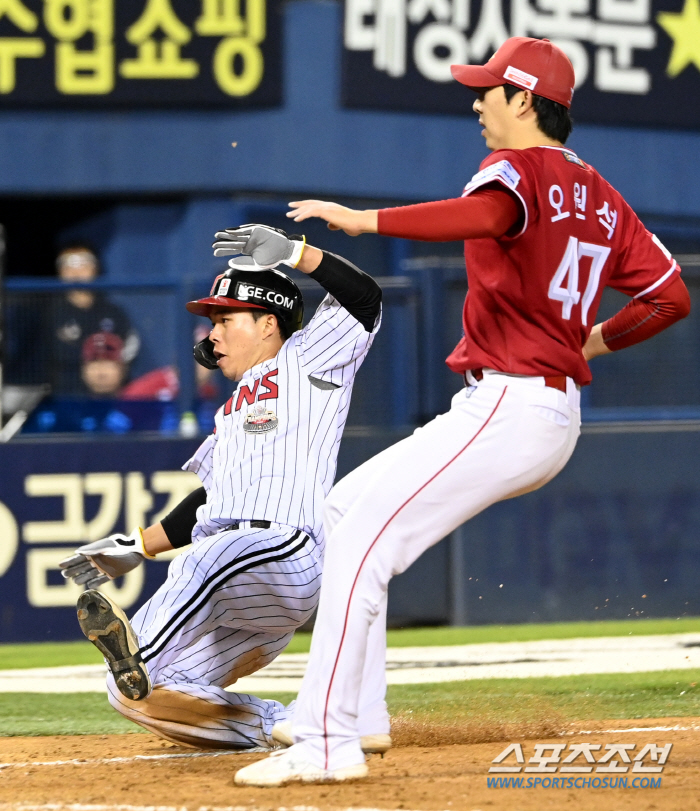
(229,606)
(506,436)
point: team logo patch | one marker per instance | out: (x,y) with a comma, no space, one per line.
(503,171)
(520,78)
(259,420)
(212,292)
(569,156)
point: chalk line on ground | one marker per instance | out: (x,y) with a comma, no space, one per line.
(504,660)
(116,807)
(94,761)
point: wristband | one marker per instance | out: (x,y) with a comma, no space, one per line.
(142,550)
(298,246)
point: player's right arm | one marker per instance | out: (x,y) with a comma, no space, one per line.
(339,218)
(490,211)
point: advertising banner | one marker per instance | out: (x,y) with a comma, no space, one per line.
(135,53)
(636,61)
(58,494)
(615,541)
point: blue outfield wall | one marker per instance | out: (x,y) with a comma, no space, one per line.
(311,144)
(617,534)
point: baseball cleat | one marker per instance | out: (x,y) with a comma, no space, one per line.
(370,744)
(287,766)
(107,627)
(375,744)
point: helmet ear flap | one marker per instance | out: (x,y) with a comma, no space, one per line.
(204,353)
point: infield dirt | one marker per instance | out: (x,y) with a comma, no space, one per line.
(448,774)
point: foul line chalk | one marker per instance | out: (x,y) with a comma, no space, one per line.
(82,807)
(85,762)
(85,807)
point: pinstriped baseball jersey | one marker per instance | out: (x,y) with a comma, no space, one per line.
(274,450)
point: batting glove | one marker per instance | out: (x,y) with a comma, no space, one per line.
(267,247)
(100,561)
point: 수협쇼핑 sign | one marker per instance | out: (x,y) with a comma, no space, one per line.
(636,61)
(101,53)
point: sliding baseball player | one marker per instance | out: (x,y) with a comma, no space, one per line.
(251,576)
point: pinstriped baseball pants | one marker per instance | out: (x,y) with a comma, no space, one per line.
(229,606)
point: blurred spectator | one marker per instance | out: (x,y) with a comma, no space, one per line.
(164,384)
(160,384)
(80,314)
(103,369)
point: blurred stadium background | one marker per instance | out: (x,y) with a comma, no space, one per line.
(116,130)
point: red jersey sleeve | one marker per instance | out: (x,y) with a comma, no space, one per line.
(490,212)
(644,264)
(508,168)
(645,317)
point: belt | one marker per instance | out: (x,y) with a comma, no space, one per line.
(253,525)
(552,382)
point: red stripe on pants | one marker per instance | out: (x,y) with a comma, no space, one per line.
(408,500)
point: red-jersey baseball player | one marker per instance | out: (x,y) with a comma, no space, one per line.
(544,234)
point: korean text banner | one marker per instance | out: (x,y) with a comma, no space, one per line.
(636,61)
(63,493)
(131,53)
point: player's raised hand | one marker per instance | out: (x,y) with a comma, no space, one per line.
(339,218)
(96,563)
(258,247)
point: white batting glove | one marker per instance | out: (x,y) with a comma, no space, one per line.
(267,247)
(96,563)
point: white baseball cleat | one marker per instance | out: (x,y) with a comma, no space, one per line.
(370,744)
(375,744)
(289,766)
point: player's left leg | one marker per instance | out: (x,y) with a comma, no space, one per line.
(229,607)
(189,705)
(373,722)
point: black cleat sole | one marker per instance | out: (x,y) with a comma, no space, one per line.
(107,627)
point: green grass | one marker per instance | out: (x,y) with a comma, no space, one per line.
(48,654)
(671,693)
(60,714)
(596,696)
(470,635)
(53,654)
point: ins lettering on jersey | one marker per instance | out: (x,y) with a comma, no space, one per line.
(269,391)
(268,387)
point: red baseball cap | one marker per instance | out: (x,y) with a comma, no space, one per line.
(533,64)
(102,346)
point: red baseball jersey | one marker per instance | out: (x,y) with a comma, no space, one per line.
(533,295)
